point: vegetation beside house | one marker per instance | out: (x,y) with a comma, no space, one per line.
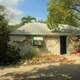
(63,12)
(8,53)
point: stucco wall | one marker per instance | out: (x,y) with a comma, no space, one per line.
(72,45)
(69,45)
(22,42)
(53,44)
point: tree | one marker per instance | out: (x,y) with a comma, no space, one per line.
(27,19)
(8,54)
(62,12)
(3,33)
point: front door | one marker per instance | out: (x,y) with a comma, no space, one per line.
(63,44)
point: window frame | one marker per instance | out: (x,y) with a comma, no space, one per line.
(37,38)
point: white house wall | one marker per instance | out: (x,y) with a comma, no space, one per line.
(53,44)
(70,45)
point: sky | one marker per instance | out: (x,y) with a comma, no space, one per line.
(37,8)
(20,8)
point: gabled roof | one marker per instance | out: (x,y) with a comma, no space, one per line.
(33,29)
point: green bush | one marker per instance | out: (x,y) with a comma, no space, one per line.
(12,56)
(31,52)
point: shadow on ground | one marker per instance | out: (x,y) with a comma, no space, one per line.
(51,72)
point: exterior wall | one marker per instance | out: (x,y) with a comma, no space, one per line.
(71,44)
(14,39)
(22,42)
(53,44)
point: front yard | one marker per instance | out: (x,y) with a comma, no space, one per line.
(49,58)
(51,68)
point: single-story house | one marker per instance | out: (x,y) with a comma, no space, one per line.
(57,41)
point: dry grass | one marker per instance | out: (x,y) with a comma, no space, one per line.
(70,59)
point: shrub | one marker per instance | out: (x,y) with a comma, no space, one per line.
(12,56)
(31,52)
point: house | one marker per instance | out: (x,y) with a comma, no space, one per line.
(57,41)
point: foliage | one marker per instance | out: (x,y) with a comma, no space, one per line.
(8,54)
(41,21)
(30,53)
(4,35)
(61,12)
(27,19)
(12,56)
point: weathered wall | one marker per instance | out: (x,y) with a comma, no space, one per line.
(53,44)
(22,42)
(71,44)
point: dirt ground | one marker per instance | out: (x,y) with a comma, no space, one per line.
(46,71)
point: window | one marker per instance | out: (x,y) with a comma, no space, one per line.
(37,41)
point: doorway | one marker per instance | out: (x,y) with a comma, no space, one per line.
(63,44)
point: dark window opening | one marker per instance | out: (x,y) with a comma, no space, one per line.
(63,44)
(37,41)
